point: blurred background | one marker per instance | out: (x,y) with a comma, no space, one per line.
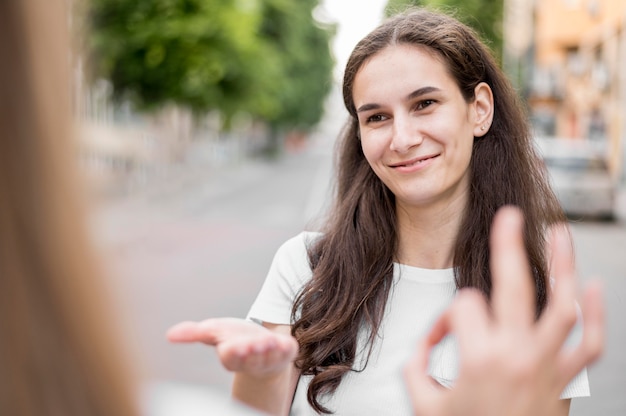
(206,140)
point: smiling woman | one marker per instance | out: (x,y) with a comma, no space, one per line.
(413,132)
(435,143)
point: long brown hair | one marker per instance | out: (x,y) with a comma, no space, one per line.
(59,354)
(353,262)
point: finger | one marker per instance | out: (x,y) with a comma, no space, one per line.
(189,331)
(513,295)
(440,328)
(591,346)
(560,316)
(562,265)
(233,356)
(467,317)
(560,251)
(283,351)
(256,355)
(469,320)
(278,355)
(277,347)
(424,392)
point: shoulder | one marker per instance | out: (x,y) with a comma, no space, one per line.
(297,247)
(291,260)
(304,238)
(289,272)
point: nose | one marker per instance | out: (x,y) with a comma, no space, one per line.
(404,135)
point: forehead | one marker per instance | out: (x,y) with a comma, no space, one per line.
(397,68)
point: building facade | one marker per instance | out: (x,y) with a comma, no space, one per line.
(568,58)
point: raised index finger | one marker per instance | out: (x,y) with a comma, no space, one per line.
(513,294)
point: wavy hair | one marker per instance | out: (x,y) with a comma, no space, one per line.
(353,262)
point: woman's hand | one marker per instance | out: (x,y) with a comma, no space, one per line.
(242,346)
(511,364)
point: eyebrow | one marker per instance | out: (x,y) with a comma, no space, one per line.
(417,93)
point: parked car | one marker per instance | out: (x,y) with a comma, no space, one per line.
(580,177)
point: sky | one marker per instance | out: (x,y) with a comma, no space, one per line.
(355,19)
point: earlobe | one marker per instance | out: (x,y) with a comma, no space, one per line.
(483,106)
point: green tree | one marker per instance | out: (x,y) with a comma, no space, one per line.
(485,16)
(303,51)
(260,57)
(190,52)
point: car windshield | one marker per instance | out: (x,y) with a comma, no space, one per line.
(577,164)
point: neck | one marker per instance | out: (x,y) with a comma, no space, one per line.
(427,234)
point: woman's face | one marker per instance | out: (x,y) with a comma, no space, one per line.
(416,128)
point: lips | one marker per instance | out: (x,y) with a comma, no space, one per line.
(413,162)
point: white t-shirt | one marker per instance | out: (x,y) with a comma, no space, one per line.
(417,298)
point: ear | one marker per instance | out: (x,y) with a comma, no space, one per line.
(483,109)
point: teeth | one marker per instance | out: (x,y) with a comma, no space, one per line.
(415,163)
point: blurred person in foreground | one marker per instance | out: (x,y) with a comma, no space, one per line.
(60,354)
(436,143)
(60,351)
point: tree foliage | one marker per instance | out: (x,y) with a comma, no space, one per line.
(485,16)
(260,57)
(303,53)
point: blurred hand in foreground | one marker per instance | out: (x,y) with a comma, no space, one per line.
(510,363)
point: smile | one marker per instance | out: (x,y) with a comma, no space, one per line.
(413,162)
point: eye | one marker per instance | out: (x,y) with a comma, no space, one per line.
(376,118)
(420,105)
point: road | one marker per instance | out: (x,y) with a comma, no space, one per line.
(601,253)
(200,244)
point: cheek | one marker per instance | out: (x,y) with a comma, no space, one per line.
(466,146)
(374,158)
(460,139)
(373,147)
(464,155)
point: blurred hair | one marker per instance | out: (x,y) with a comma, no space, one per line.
(353,261)
(59,355)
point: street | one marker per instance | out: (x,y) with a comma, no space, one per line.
(199,246)
(600,251)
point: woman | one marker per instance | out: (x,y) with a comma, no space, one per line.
(60,352)
(436,143)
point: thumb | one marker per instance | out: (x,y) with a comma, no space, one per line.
(423,390)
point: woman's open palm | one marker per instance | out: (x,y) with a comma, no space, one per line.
(242,346)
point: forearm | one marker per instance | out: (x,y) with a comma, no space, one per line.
(272,394)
